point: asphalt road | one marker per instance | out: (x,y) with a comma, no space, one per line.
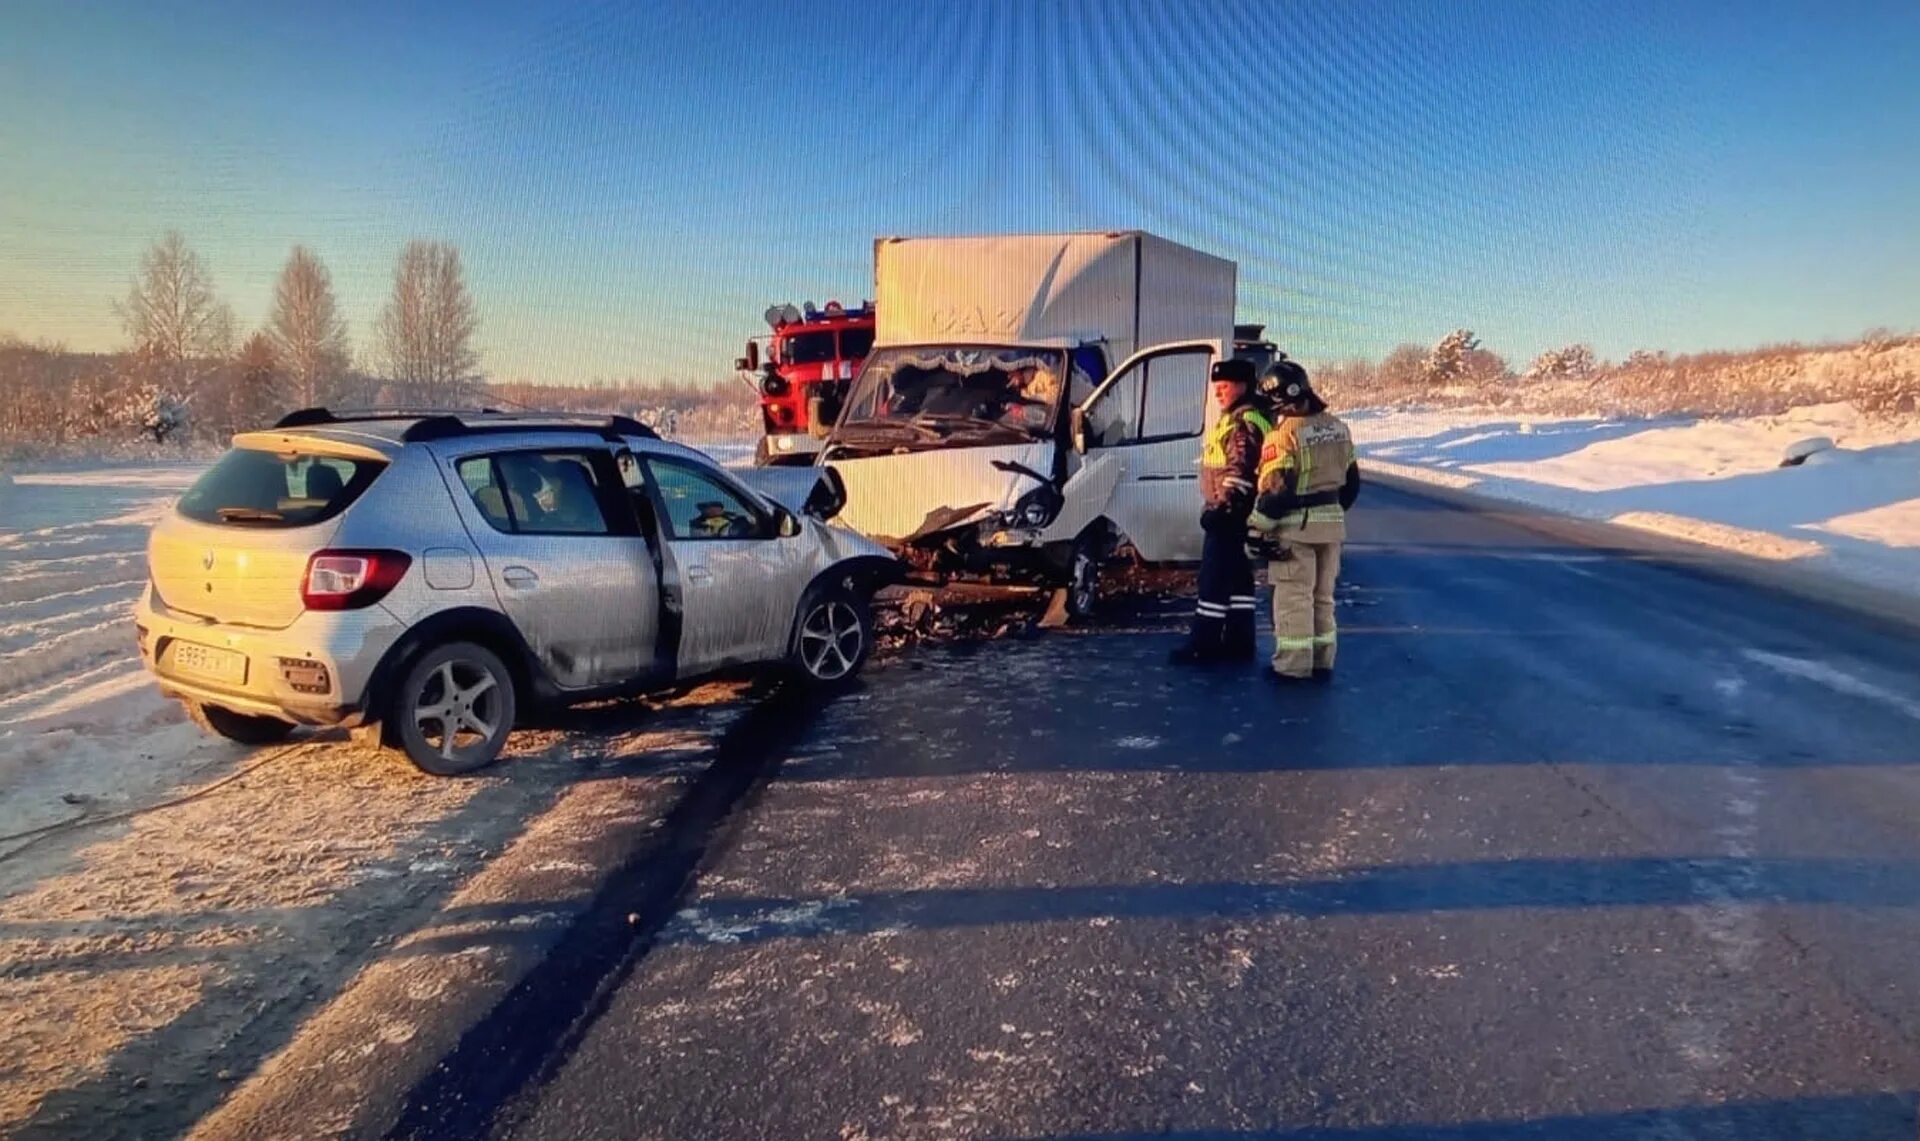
(1577,846)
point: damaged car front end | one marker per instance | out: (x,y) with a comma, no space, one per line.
(956,458)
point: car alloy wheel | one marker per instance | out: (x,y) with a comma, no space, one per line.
(456,709)
(832,640)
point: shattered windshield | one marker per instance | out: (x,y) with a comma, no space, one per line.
(955,388)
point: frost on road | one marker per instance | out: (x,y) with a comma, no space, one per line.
(149,961)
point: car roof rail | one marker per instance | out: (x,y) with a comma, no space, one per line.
(308,417)
(446,423)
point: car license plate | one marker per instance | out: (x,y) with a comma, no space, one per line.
(210,662)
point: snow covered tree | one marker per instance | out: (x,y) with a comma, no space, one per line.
(157,413)
(426,332)
(1571,361)
(1446,362)
(309,337)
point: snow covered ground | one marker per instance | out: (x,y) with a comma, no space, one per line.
(78,720)
(176,943)
(80,725)
(1853,512)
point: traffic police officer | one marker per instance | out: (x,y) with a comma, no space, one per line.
(1223,615)
(1307,481)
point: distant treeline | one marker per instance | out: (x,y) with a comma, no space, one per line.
(188,380)
(1879,373)
(55,402)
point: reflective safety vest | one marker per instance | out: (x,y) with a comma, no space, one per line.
(1303,466)
(1230,458)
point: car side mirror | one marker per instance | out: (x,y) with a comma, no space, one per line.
(1079,429)
(786,525)
(750,362)
(740,364)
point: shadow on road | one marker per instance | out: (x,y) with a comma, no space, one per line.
(532,1031)
(1455,887)
(1862,1117)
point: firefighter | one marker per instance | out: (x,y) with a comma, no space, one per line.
(1223,614)
(1307,481)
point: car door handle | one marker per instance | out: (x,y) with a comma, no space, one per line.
(521,577)
(699,574)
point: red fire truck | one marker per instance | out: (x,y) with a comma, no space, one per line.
(812,356)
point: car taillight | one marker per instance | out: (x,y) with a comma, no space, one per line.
(349,580)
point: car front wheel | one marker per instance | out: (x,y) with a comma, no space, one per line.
(833,637)
(454,709)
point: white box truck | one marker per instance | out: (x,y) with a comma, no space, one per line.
(1033,400)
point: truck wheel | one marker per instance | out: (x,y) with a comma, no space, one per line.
(832,637)
(245,728)
(454,709)
(1083,580)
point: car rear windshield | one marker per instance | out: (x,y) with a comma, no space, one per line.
(249,488)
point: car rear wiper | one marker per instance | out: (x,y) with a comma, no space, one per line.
(250,515)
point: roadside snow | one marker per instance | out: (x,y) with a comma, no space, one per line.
(81,730)
(146,955)
(1853,512)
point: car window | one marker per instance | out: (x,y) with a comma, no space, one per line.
(1115,417)
(633,476)
(252,488)
(697,506)
(1176,395)
(536,493)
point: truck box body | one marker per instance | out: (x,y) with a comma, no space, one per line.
(1128,289)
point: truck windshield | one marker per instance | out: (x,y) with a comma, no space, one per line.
(959,386)
(807,348)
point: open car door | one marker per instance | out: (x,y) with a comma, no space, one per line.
(1147,420)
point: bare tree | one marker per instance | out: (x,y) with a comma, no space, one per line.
(171,312)
(1403,370)
(309,335)
(426,332)
(257,390)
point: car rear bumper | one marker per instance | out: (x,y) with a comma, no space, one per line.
(314,672)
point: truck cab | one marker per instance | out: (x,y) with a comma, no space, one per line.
(1033,402)
(811,357)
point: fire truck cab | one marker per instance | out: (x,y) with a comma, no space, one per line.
(812,355)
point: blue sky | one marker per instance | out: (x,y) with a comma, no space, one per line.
(632,184)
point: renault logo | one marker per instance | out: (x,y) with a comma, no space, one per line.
(206,561)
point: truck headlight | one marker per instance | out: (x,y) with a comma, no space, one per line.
(1034,510)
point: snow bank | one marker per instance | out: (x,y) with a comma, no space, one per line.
(1855,514)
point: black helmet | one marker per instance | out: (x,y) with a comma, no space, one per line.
(1285,384)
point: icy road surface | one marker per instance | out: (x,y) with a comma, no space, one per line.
(1578,846)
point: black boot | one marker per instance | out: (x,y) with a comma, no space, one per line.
(1189,654)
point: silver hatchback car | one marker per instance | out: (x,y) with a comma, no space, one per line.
(435,574)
